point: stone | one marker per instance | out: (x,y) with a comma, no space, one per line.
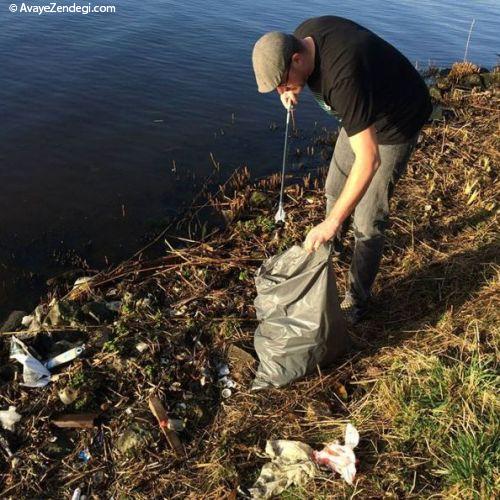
(437,113)
(13,322)
(490,79)
(133,440)
(258,199)
(61,313)
(471,81)
(435,93)
(58,447)
(242,363)
(443,83)
(100,336)
(98,311)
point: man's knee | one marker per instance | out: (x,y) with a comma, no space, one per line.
(367,227)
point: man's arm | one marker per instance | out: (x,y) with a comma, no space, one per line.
(367,159)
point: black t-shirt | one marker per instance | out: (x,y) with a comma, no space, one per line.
(365,80)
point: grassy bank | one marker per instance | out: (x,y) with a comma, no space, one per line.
(420,384)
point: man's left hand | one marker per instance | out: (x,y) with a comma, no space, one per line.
(320,234)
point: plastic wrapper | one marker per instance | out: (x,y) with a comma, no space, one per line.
(290,464)
(9,418)
(340,458)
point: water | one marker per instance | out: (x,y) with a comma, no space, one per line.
(95,108)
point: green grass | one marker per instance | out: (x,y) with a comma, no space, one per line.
(446,410)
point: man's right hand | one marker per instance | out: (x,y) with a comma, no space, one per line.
(289,99)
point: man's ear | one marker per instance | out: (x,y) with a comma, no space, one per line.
(296,58)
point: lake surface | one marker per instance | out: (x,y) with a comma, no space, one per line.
(96,108)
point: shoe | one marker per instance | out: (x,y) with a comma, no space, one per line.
(353,313)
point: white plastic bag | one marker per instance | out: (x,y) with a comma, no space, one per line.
(340,458)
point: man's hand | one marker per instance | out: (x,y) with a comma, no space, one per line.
(320,234)
(289,99)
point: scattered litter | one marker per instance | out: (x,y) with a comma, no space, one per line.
(65,357)
(141,346)
(79,420)
(176,424)
(84,455)
(340,458)
(9,418)
(77,494)
(223,370)
(35,374)
(27,320)
(84,280)
(114,306)
(5,445)
(161,415)
(291,464)
(227,382)
(80,286)
(68,395)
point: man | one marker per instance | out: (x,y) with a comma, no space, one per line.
(382,103)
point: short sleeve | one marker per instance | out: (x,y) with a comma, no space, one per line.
(352,99)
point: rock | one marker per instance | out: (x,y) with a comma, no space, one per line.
(443,83)
(98,311)
(61,313)
(133,440)
(435,93)
(258,199)
(38,316)
(99,337)
(471,81)
(242,363)
(437,113)
(13,322)
(58,447)
(490,79)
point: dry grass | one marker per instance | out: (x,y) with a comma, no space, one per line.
(460,69)
(421,383)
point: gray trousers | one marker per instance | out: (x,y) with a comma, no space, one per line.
(372,212)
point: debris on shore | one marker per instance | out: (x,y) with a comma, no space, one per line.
(158,403)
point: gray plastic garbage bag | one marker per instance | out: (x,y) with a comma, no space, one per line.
(301,325)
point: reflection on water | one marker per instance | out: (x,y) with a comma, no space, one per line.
(95,109)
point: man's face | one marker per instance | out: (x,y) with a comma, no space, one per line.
(294,80)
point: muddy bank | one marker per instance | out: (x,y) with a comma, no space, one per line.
(176,325)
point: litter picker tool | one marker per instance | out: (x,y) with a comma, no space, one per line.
(280,214)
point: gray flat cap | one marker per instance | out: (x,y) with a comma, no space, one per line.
(271,55)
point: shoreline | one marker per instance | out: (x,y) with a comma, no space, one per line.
(191,308)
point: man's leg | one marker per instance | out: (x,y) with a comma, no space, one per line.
(370,220)
(340,166)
